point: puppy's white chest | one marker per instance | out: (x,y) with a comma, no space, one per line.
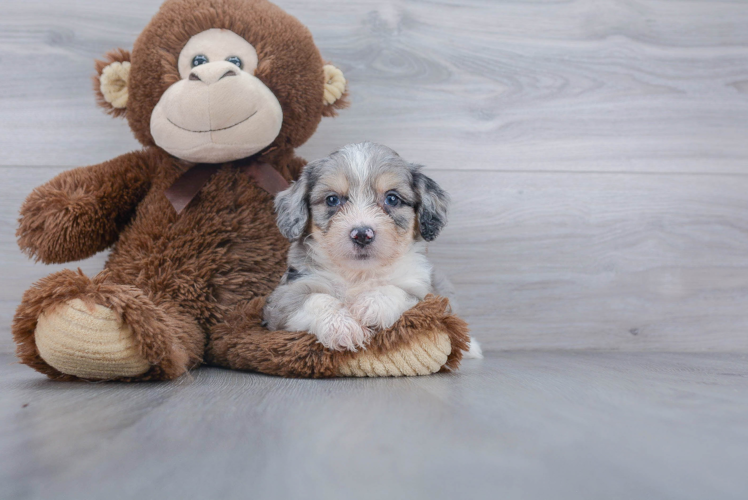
(413,278)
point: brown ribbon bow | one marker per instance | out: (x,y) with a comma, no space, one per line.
(184,189)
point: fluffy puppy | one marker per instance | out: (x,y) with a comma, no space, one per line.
(358,221)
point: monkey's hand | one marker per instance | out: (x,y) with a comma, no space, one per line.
(81,212)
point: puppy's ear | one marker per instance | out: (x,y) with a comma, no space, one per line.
(292,207)
(432,207)
(111,80)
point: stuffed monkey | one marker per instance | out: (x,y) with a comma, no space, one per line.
(219,93)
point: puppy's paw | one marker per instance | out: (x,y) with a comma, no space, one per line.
(381,308)
(340,331)
(328,319)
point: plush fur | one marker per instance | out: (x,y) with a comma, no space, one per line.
(298,354)
(170,341)
(289,62)
(185,283)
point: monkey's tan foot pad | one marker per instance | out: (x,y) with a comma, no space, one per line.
(89,342)
(425,356)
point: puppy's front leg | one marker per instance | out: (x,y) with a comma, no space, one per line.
(328,319)
(381,307)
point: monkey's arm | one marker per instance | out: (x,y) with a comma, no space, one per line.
(82,211)
(425,340)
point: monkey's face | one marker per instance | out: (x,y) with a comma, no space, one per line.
(212,81)
(219,111)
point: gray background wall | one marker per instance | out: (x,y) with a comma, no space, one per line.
(596,150)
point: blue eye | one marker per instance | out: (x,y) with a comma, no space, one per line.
(332,201)
(392,200)
(234,60)
(199,59)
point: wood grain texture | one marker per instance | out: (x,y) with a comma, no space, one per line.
(560,260)
(596,150)
(517,425)
(584,85)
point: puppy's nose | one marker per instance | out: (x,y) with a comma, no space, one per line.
(362,236)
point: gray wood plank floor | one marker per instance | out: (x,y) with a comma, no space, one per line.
(597,155)
(596,152)
(529,425)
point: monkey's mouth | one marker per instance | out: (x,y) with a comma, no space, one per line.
(213,129)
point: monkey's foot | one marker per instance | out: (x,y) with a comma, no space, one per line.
(71,327)
(88,341)
(423,356)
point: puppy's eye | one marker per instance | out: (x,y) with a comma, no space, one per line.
(234,60)
(392,200)
(199,59)
(333,200)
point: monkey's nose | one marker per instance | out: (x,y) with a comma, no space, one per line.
(210,73)
(362,236)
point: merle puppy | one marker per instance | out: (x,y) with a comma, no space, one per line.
(359,221)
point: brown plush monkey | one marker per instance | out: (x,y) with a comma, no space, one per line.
(220,93)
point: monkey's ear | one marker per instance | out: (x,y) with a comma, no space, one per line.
(336,94)
(110,81)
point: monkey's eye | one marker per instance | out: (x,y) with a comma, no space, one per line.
(199,59)
(234,60)
(332,200)
(392,200)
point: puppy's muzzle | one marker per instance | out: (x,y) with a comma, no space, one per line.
(362,236)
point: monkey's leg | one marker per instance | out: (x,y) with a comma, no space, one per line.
(69,326)
(425,340)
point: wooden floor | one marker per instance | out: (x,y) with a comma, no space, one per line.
(522,425)
(597,155)
(596,150)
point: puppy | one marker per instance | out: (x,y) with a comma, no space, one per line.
(358,221)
